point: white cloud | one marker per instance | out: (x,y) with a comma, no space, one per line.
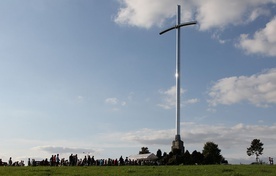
(232,140)
(263,41)
(115,103)
(209,13)
(220,13)
(217,36)
(169,97)
(258,12)
(112,101)
(64,150)
(149,136)
(192,101)
(144,13)
(258,89)
(79,99)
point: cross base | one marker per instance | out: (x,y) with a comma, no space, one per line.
(178,145)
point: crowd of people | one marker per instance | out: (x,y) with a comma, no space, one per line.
(74,160)
(10,163)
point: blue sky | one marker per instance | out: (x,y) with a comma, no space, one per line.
(96,77)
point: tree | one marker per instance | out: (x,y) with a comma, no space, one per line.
(159,154)
(211,153)
(144,150)
(187,158)
(197,157)
(256,148)
(165,158)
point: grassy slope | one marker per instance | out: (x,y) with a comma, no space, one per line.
(212,170)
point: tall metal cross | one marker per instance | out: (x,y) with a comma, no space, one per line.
(177,74)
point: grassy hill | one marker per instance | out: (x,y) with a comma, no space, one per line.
(200,170)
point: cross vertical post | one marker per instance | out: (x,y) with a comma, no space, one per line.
(177,74)
(177,144)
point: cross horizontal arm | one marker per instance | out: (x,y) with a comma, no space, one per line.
(174,27)
(178,26)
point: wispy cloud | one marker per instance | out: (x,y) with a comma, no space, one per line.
(169,97)
(258,89)
(149,136)
(112,101)
(64,150)
(257,12)
(79,99)
(192,101)
(116,103)
(217,36)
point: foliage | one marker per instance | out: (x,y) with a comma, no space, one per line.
(144,150)
(256,148)
(159,154)
(211,153)
(187,158)
(199,170)
(197,157)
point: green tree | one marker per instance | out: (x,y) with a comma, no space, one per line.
(159,154)
(187,158)
(197,157)
(211,153)
(256,148)
(144,150)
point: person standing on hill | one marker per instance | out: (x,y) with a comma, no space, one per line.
(57,160)
(10,161)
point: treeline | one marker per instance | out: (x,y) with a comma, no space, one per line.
(209,155)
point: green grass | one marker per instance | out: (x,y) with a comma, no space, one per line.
(209,170)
